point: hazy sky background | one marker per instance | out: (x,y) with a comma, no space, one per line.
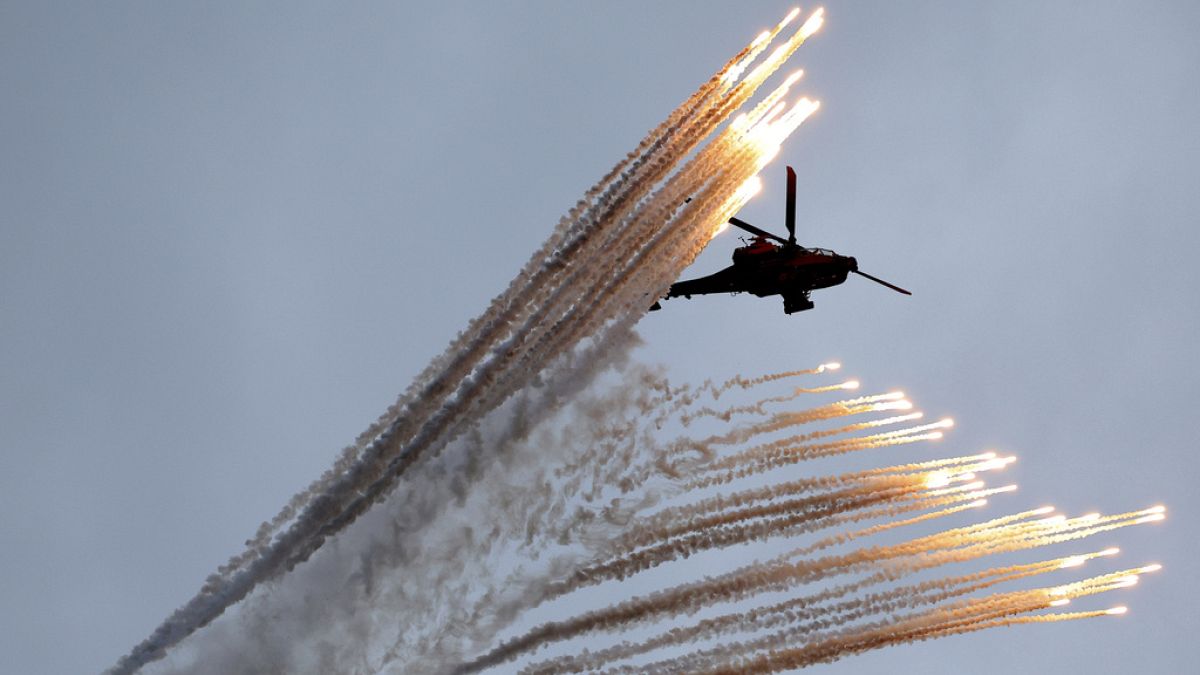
(230,233)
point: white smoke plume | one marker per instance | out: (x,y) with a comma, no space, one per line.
(495,512)
(609,257)
(521,516)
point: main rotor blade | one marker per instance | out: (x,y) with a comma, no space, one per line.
(737,222)
(790,216)
(881,281)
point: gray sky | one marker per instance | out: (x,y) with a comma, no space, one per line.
(230,234)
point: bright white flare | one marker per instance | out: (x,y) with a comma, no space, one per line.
(813,24)
(937,479)
(791,16)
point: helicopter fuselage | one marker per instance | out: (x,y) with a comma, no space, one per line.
(772,265)
(767,269)
(763,268)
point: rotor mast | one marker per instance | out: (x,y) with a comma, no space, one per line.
(790,216)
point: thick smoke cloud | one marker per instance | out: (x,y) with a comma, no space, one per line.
(531,462)
(607,259)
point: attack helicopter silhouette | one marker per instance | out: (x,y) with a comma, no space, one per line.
(772,265)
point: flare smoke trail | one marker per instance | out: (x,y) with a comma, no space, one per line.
(532,463)
(670,517)
(820,625)
(546,523)
(615,251)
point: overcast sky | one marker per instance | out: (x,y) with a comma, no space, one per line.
(230,233)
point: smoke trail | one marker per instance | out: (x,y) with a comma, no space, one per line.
(1010,533)
(686,396)
(497,483)
(546,311)
(810,613)
(468,347)
(995,610)
(955,545)
(480,545)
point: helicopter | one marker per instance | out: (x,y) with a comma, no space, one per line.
(772,265)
